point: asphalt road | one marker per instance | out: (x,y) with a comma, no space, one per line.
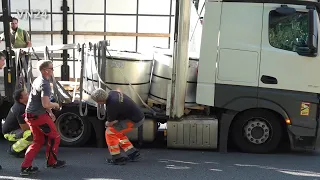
(89,164)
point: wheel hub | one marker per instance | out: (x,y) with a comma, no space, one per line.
(257,131)
(70,127)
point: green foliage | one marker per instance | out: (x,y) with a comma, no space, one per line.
(288,32)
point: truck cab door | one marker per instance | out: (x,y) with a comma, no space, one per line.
(289,69)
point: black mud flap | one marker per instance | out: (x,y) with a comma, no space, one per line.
(224,126)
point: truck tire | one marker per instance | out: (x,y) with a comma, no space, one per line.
(257,131)
(74,130)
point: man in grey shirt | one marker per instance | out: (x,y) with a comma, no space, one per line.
(41,121)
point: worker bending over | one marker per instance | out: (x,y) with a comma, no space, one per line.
(123,115)
(41,121)
(2,63)
(14,128)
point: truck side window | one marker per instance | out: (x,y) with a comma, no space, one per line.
(288,31)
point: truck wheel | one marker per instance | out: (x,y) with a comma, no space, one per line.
(257,131)
(73,130)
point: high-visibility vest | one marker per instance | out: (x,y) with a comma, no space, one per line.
(19,39)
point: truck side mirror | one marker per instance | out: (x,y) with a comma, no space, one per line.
(312,47)
(313,30)
(285,10)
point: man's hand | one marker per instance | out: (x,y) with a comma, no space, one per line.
(53,117)
(56,106)
(24,127)
(109,124)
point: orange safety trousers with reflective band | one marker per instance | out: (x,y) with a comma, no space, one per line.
(115,138)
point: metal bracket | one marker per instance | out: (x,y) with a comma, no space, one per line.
(62,8)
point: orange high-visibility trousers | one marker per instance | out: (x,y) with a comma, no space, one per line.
(115,139)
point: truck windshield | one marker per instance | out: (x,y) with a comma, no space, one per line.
(288,32)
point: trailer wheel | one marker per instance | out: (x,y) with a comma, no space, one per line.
(257,131)
(73,129)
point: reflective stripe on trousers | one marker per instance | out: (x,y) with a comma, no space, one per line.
(21,143)
(116,139)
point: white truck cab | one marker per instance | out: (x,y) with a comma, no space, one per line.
(259,64)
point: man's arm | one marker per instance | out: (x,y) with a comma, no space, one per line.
(45,94)
(53,117)
(27,38)
(23,125)
(49,111)
(112,115)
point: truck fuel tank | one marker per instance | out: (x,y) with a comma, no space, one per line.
(196,132)
(149,131)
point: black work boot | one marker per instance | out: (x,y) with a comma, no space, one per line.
(58,164)
(118,161)
(134,156)
(17,154)
(28,171)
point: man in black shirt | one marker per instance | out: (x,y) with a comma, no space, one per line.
(123,114)
(2,63)
(14,128)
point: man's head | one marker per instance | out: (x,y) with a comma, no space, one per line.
(14,24)
(21,96)
(2,60)
(46,68)
(99,95)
